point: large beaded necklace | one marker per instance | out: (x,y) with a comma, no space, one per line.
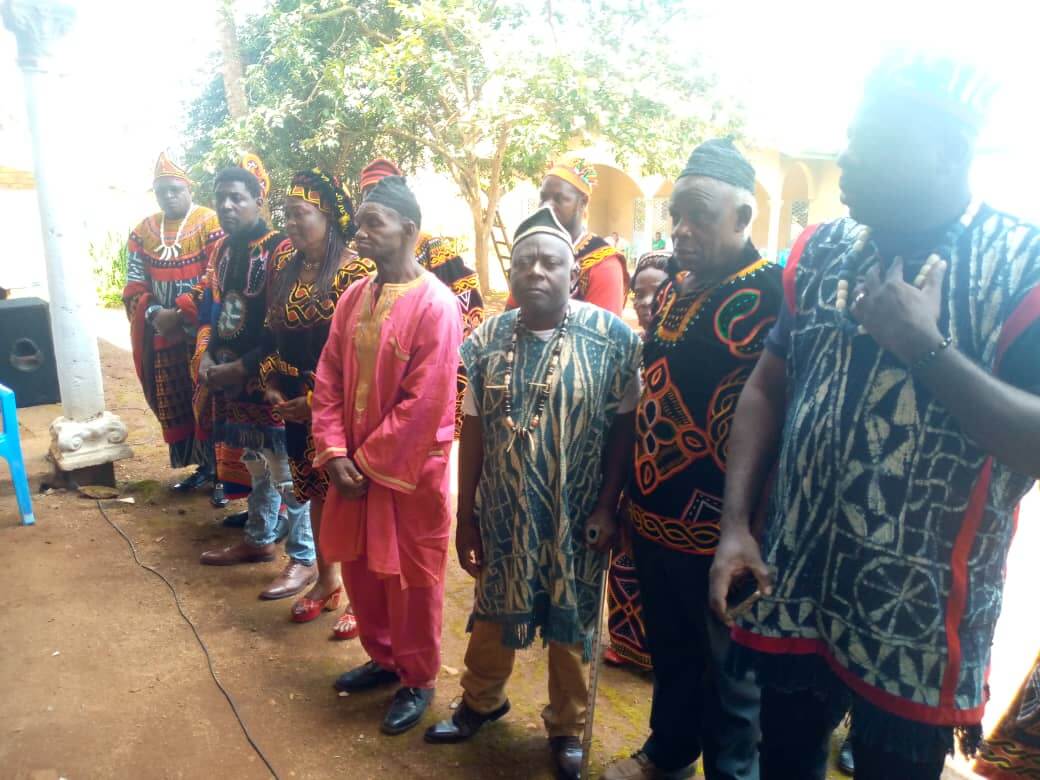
(171,251)
(543,388)
(865,254)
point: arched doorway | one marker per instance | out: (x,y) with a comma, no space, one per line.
(612,207)
(796,198)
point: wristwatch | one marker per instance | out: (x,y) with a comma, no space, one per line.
(150,312)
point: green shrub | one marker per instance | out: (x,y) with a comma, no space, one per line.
(109,258)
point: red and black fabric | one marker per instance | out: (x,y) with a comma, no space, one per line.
(232,311)
(297,329)
(1012,751)
(697,356)
(162,366)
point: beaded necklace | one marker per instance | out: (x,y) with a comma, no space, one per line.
(543,388)
(171,251)
(865,255)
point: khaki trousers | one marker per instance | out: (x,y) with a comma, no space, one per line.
(488,667)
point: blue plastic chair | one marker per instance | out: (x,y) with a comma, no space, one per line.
(11,451)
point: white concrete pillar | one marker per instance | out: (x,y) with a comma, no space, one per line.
(648,221)
(86,435)
(776,206)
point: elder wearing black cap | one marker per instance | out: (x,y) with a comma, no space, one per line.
(543,456)
(699,350)
(900,389)
(382,418)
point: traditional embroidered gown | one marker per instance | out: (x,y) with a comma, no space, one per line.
(384,395)
(604,274)
(440,256)
(164,367)
(1013,750)
(539,576)
(231,309)
(295,335)
(889,527)
(697,357)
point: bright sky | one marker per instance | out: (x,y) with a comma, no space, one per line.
(795,66)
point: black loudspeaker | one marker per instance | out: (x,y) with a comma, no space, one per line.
(27,363)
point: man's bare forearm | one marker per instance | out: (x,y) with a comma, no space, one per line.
(471,462)
(1004,420)
(617,459)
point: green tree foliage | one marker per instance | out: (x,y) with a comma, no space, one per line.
(487,91)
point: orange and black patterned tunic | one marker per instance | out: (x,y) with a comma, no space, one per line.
(296,331)
(698,355)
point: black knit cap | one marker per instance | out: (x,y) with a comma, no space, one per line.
(720,159)
(393,192)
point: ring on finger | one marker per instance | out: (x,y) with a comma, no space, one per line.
(859,297)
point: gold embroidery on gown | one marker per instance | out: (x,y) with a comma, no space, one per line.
(374,312)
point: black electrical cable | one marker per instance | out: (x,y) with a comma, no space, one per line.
(195,631)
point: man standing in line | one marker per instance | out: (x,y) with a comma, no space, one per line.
(544,453)
(603,270)
(168,254)
(700,348)
(439,255)
(900,386)
(383,418)
(233,309)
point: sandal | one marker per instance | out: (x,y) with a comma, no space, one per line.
(346,627)
(307,609)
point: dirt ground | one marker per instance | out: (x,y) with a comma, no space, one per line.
(102,678)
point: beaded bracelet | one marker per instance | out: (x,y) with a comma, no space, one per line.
(931,355)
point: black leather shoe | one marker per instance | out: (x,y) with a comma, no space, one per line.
(237,520)
(218,498)
(462,725)
(846,764)
(199,479)
(364,678)
(566,753)
(406,710)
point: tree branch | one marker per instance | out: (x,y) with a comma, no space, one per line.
(348,9)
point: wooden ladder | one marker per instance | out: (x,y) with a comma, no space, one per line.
(503,246)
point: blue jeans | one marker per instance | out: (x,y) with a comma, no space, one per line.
(272,484)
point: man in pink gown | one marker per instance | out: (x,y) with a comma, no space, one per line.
(383,420)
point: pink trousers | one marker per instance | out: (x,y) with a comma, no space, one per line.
(400,628)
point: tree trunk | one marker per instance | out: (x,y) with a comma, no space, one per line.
(481,247)
(232,71)
(481,244)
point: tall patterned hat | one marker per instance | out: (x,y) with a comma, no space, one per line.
(255,166)
(576,171)
(957,90)
(167,168)
(327,193)
(542,221)
(377,170)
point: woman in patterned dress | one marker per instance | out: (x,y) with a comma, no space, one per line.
(624,609)
(308,281)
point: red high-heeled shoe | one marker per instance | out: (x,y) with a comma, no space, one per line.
(346,627)
(306,609)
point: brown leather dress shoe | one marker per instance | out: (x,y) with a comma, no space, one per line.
(243,552)
(295,577)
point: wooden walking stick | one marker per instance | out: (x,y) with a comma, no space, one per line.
(597,656)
